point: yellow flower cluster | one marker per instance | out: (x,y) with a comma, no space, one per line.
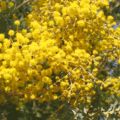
(10,4)
(3,5)
(58,52)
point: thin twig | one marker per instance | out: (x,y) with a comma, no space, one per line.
(56,111)
(18,7)
(103,64)
(113,8)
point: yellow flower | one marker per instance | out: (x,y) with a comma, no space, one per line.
(51,23)
(11,32)
(2,36)
(10,4)
(7,89)
(33,96)
(3,5)
(33,62)
(17,22)
(118,61)
(7,81)
(86,88)
(95,70)
(24,31)
(54,97)
(13,63)
(47,80)
(96,63)
(98,58)
(57,6)
(114,23)
(14,16)
(59,21)
(17,108)
(81,23)
(110,18)
(90,85)
(88,100)
(98,82)
(95,52)
(30,16)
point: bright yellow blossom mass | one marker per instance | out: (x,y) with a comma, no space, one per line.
(55,59)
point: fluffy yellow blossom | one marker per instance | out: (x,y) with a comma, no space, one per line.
(7,89)
(54,97)
(63,53)
(11,32)
(110,18)
(17,108)
(33,96)
(98,58)
(14,16)
(17,22)
(2,36)
(95,52)
(47,80)
(81,23)
(90,85)
(10,4)
(3,5)
(118,61)
(7,81)
(95,70)
(51,23)
(24,31)
(33,62)
(30,16)
(35,24)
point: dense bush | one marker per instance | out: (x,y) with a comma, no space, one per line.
(55,58)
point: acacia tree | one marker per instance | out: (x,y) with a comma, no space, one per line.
(62,57)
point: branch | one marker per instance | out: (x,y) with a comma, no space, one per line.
(56,111)
(105,61)
(113,8)
(19,6)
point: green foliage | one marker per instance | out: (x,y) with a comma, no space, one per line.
(114,10)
